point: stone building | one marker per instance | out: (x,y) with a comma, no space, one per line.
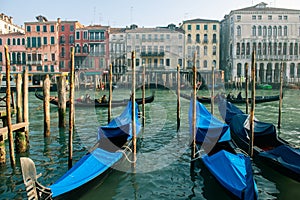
(7,25)
(273,33)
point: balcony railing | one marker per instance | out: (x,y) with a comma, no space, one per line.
(152,54)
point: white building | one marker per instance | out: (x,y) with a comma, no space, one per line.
(274,34)
(7,26)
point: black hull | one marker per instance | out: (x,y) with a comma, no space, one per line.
(258,99)
(270,162)
(95,103)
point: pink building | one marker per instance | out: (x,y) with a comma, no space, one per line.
(66,34)
(92,48)
(17,51)
(42,45)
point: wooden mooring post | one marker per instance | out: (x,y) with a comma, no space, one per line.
(143,96)
(251,141)
(25,104)
(212,98)
(178,97)
(246,88)
(61,95)
(46,105)
(110,94)
(8,109)
(280,97)
(194,99)
(71,109)
(133,111)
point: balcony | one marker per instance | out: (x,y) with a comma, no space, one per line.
(34,62)
(152,54)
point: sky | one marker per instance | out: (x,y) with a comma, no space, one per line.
(122,13)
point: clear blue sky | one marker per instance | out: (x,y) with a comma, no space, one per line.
(121,13)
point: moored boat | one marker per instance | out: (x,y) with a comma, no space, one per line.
(113,145)
(258,99)
(231,167)
(268,146)
(96,102)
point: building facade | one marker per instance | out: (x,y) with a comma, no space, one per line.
(42,45)
(202,38)
(16,49)
(273,33)
(7,25)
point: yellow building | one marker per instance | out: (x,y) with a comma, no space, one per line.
(202,40)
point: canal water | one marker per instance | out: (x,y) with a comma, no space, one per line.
(163,159)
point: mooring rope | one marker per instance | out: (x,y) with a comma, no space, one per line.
(123,152)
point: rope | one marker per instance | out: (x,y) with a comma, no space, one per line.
(123,152)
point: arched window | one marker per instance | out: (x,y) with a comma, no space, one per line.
(214,50)
(296,49)
(23,41)
(270,31)
(238,31)
(254,31)
(205,63)
(259,49)
(14,41)
(198,38)
(8,41)
(291,48)
(279,31)
(214,38)
(18,41)
(274,31)
(189,38)
(238,49)
(198,51)
(0,41)
(285,31)
(259,31)
(265,31)
(205,50)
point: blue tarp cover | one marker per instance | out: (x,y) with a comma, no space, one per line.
(209,128)
(228,110)
(286,156)
(98,161)
(87,168)
(121,124)
(231,171)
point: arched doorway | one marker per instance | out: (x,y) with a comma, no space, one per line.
(277,73)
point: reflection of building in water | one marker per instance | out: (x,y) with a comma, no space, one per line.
(272,32)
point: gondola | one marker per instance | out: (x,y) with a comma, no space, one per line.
(268,146)
(230,166)
(113,145)
(97,103)
(258,99)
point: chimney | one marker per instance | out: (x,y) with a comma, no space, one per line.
(58,20)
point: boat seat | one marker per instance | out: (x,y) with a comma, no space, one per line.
(33,188)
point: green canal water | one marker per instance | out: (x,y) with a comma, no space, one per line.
(163,159)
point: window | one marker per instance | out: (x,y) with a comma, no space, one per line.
(33,42)
(197,27)
(259,17)
(168,36)
(72,28)
(285,31)
(45,40)
(270,31)
(253,17)
(214,50)
(205,38)
(52,40)
(205,50)
(29,42)
(52,28)
(189,38)
(77,35)
(275,31)
(214,27)
(0,57)
(85,35)
(239,31)
(23,41)
(198,38)
(18,41)
(205,27)
(28,29)
(265,31)
(285,17)
(38,28)
(189,27)
(205,63)
(259,32)
(254,31)
(279,31)
(269,17)
(238,17)
(39,42)
(1,40)
(62,28)
(279,17)
(168,62)
(14,41)
(214,38)
(45,28)
(71,39)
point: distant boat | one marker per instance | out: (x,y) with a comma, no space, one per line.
(268,146)
(258,99)
(231,167)
(113,145)
(96,102)
(264,87)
